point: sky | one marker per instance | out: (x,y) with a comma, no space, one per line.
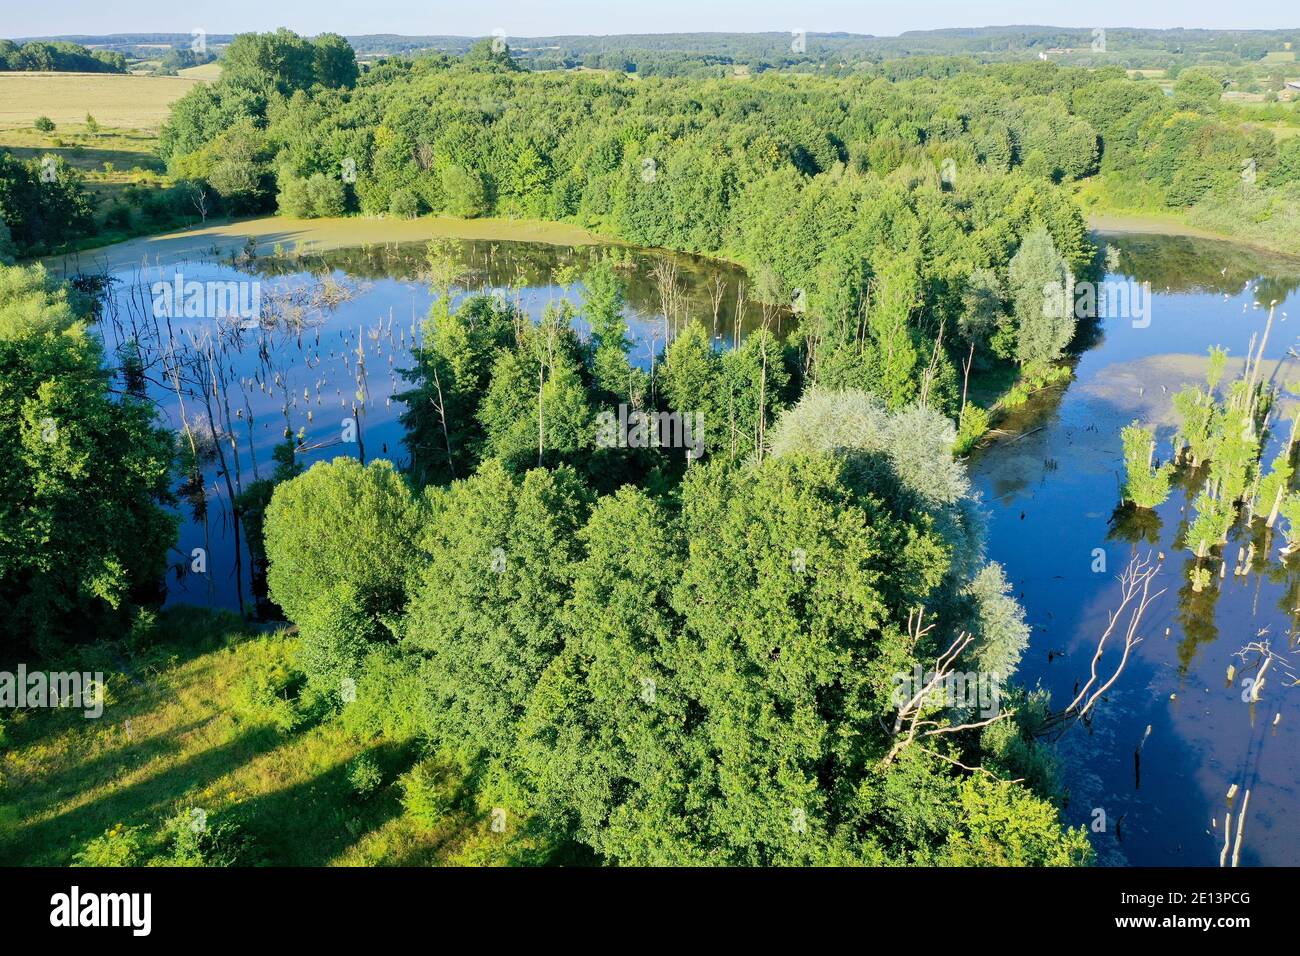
(596,17)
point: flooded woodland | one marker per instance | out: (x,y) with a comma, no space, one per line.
(1178,742)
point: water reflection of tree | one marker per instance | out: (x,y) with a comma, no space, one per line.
(1195,616)
(1088,335)
(1189,481)
(1188,264)
(1287,574)
(1134,525)
(486,264)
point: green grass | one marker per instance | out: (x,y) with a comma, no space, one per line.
(170,738)
(131,155)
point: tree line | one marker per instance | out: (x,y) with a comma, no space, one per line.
(57,56)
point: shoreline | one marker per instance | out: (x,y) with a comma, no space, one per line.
(1157,224)
(321,235)
(312,235)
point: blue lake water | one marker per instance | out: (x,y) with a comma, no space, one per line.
(1052,494)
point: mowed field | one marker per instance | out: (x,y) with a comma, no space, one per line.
(208,72)
(116,101)
(129,111)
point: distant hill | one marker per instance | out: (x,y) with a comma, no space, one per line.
(1129,47)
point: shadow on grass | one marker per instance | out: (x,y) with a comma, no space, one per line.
(103,767)
(92,158)
(311,823)
(53,841)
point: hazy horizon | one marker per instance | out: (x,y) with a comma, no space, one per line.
(592,18)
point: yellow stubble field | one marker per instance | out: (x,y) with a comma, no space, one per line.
(115,100)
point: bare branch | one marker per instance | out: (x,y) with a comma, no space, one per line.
(1136,597)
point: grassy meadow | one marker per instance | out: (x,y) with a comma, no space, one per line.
(118,101)
(129,112)
(177,733)
(110,159)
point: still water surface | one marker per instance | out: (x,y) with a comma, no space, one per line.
(1052,495)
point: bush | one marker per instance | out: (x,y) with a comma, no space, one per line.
(118,217)
(336,633)
(403,204)
(365,776)
(197,841)
(973,424)
(390,698)
(315,197)
(267,694)
(429,791)
(8,251)
(342,524)
(466,195)
(44,124)
(118,846)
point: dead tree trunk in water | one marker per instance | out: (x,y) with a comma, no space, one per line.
(1135,597)
(208,390)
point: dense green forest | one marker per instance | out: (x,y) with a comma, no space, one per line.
(478,134)
(691,164)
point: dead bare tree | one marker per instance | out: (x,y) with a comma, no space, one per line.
(1260,656)
(440,406)
(911,725)
(665,275)
(717,288)
(738,317)
(932,371)
(199,197)
(1135,598)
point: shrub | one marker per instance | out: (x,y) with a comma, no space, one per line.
(341,524)
(44,124)
(267,694)
(197,841)
(403,204)
(315,197)
(118,217)
(120,845)
(365,776)
(391,698)
(973,424)
(466,195)
(429,791)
